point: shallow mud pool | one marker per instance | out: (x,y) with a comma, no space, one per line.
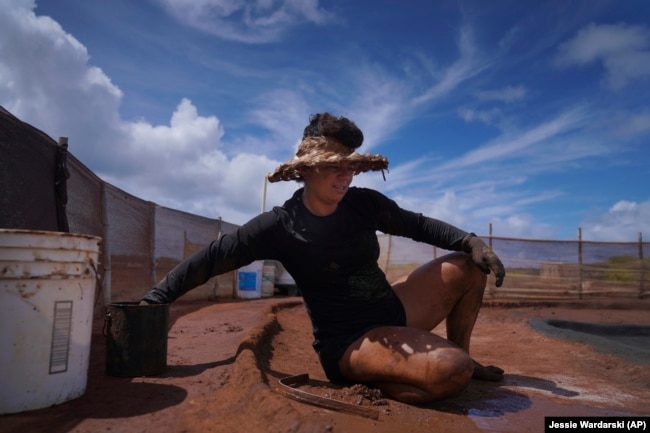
(629,341)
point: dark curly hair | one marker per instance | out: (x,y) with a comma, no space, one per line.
(341,128)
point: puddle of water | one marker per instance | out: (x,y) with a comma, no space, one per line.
(629,341)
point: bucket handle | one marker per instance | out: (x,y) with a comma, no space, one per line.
(98,281)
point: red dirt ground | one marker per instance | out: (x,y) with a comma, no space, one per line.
(225,359)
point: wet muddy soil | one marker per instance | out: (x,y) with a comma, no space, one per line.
(226,360)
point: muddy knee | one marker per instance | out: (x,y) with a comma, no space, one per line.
(450,373)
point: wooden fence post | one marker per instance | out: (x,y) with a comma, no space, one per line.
(579,263)
(388,247)
(490,235)
(106,244)
(642,268)
(152,242)
(492,292)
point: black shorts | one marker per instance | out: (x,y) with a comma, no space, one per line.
(331,349)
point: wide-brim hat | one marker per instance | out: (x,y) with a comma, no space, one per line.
(324,151)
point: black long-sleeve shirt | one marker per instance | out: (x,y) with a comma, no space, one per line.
(333,259)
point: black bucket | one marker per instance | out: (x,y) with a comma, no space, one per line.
(136,339)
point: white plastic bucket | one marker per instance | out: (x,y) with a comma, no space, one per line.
(47,294)
(249,280)
(268,280)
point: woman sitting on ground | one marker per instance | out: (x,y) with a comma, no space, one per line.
(366,330)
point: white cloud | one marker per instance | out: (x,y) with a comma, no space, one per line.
(283,112)
(187,136)
(494,115)
(622,222)
(475,208)
(511,147)
(507,94)
(495,181)
(630,125)
(487,117)
(379,107)
(48,81)
(182,165)
(523,226)
(383,102)
(445,206)
(468,65)
(259,21)
(624,51)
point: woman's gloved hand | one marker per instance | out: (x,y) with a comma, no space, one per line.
(484,257)
(145,302)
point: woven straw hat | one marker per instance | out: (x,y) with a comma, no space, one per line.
(324,151)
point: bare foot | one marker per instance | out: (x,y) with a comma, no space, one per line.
(490,373)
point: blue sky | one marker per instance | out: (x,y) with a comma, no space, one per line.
(532,116)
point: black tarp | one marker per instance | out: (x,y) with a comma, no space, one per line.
(27,176)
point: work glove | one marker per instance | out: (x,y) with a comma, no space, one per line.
(145,302)
(484,257)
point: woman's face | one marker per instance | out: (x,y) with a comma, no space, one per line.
(328,184)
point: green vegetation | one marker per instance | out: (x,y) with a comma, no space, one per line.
(627,268)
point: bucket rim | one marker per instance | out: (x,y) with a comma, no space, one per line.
(49,233)
(134,304)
